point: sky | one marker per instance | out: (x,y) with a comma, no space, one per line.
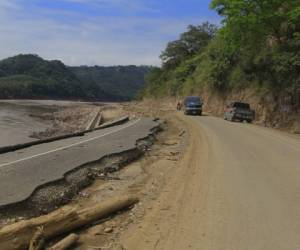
(97,32)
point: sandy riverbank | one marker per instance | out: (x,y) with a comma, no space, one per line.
(23,121)
(17,124)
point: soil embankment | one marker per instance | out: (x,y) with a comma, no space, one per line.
(281,111)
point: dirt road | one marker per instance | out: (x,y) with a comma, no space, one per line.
(236,187)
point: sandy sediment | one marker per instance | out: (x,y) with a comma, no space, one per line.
(72,119)
(65,121)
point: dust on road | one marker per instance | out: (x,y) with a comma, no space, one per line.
(236,187)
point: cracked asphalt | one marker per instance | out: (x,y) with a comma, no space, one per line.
(22,171)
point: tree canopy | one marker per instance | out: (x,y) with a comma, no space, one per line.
(191,42)
(257,46)
(246,22)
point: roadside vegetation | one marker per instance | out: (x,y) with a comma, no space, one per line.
(257,47)
(30,76)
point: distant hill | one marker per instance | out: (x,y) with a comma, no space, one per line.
(121,81)
(30,76)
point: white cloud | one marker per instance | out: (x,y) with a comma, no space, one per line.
(129,6)
(8,4)
(77,39)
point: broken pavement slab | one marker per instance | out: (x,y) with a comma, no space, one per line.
(23,171)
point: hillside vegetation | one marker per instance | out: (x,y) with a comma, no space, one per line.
(256,48)
(29,76)
(120,81)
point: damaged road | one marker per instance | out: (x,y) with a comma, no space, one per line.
(23,172)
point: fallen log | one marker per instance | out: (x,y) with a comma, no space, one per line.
(17,236)
(38,240)
(66,243)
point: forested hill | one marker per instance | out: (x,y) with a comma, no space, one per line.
(30,76)
(256,47)
(120,81)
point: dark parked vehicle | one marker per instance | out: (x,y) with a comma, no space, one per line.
(239,111)
(193,105)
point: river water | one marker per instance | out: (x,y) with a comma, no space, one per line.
(17,122)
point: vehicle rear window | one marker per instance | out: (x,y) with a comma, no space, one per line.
(194,99)
(241,105)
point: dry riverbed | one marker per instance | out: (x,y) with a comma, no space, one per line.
(23,121)
(75,118)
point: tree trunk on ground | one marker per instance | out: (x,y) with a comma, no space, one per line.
(38,241)
(17,236)
(66,243)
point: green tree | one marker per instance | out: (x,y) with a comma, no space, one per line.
(191,42)
(253,22)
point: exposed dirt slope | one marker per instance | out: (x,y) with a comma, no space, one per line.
(281,111)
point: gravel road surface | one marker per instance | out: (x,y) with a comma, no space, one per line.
(237,187)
